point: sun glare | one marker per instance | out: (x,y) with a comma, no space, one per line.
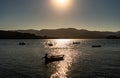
(61,4)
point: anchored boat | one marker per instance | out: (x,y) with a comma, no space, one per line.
(53,58)
(96,46)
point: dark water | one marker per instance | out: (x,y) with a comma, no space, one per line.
(80,61)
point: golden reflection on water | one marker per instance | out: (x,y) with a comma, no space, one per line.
(62,46)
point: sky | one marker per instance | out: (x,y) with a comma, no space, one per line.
(97,15)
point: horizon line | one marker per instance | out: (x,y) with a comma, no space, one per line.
(59,28)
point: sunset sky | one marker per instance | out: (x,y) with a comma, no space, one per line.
(102,15)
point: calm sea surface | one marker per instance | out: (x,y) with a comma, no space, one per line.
(80,61)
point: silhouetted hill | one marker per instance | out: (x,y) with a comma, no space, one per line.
(58,33)
(72,33)
(17,35)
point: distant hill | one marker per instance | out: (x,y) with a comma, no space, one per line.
(72,33)
(58,33)
(17,35)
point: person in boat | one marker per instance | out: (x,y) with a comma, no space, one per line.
(46,56)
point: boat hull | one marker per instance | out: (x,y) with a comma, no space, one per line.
(96,46)
(53,58)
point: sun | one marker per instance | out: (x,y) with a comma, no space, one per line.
(61,4)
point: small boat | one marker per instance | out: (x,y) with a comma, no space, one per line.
(76,42)
(96,46)
(50,44)
(21,43)
(53,58)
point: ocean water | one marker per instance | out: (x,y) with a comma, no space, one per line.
(80,60)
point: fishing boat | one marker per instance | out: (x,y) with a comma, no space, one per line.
(21,43)
(76,42)
(50,44)
(53,58)
(96,46)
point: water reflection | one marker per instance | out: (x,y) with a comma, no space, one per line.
(60,69)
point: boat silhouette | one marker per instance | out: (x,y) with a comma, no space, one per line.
(96,46)
(21,43)
(49,59)
(50,44)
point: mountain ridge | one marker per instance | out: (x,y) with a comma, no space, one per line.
(71,33)
(60,33)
